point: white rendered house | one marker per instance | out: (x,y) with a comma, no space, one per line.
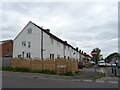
(36,42)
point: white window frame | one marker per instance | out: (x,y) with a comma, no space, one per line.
(29,30)
(51,56)
(29,44)
(52,41)
(23,43)
(58,56)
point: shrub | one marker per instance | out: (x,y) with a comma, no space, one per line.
(8,68)
(100,75)
(22,69)
(48,72)
(36,71)
(0,68)
(43,71)
(28,70)
(67,74)
(78,71)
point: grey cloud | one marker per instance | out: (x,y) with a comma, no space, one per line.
(86,25)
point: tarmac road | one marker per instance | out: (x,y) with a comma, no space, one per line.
(10,81)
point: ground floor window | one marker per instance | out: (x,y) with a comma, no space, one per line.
(64,57)
(58,56)
(68,58)
(51,56)
(19,56)
(28,55)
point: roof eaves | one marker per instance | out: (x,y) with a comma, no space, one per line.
(53,36)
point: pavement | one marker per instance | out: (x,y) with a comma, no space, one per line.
(109,75)
(85,73)
(108,71)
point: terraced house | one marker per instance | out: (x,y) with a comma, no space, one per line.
(6,52)
(35,42)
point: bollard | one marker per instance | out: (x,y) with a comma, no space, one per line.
(115,72)
(112,70)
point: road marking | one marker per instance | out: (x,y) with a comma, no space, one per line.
(113,81)
(88,80)
(78,80)
(100,81)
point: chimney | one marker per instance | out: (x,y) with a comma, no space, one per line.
(77,48)
(80,51)
(48,30)
(65,42)
(85,53)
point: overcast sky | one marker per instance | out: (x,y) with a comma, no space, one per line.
(86,25)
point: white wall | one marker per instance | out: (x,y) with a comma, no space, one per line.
(34,38)
(56,48)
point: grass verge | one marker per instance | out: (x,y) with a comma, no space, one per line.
(101,75)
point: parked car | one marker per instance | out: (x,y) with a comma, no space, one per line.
(101,64)
(108,64)
(113,64)
(118,64)
(91,62)
(81,65)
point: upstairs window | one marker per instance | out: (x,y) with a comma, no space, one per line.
(64,47)
(51,40)
(68,47)
(10,44)
(7,51)
(58,44)
(29,44)
(23,43)
(29,30)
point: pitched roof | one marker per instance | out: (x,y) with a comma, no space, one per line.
(2,42)
(50,34)
(54,37)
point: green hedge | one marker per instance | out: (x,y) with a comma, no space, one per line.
(67,74)
(19,69)
(28,70)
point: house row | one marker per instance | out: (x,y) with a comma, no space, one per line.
(38,43)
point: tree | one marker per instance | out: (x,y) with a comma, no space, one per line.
(99,56)
(111,56)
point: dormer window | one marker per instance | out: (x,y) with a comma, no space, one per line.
(29,30)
